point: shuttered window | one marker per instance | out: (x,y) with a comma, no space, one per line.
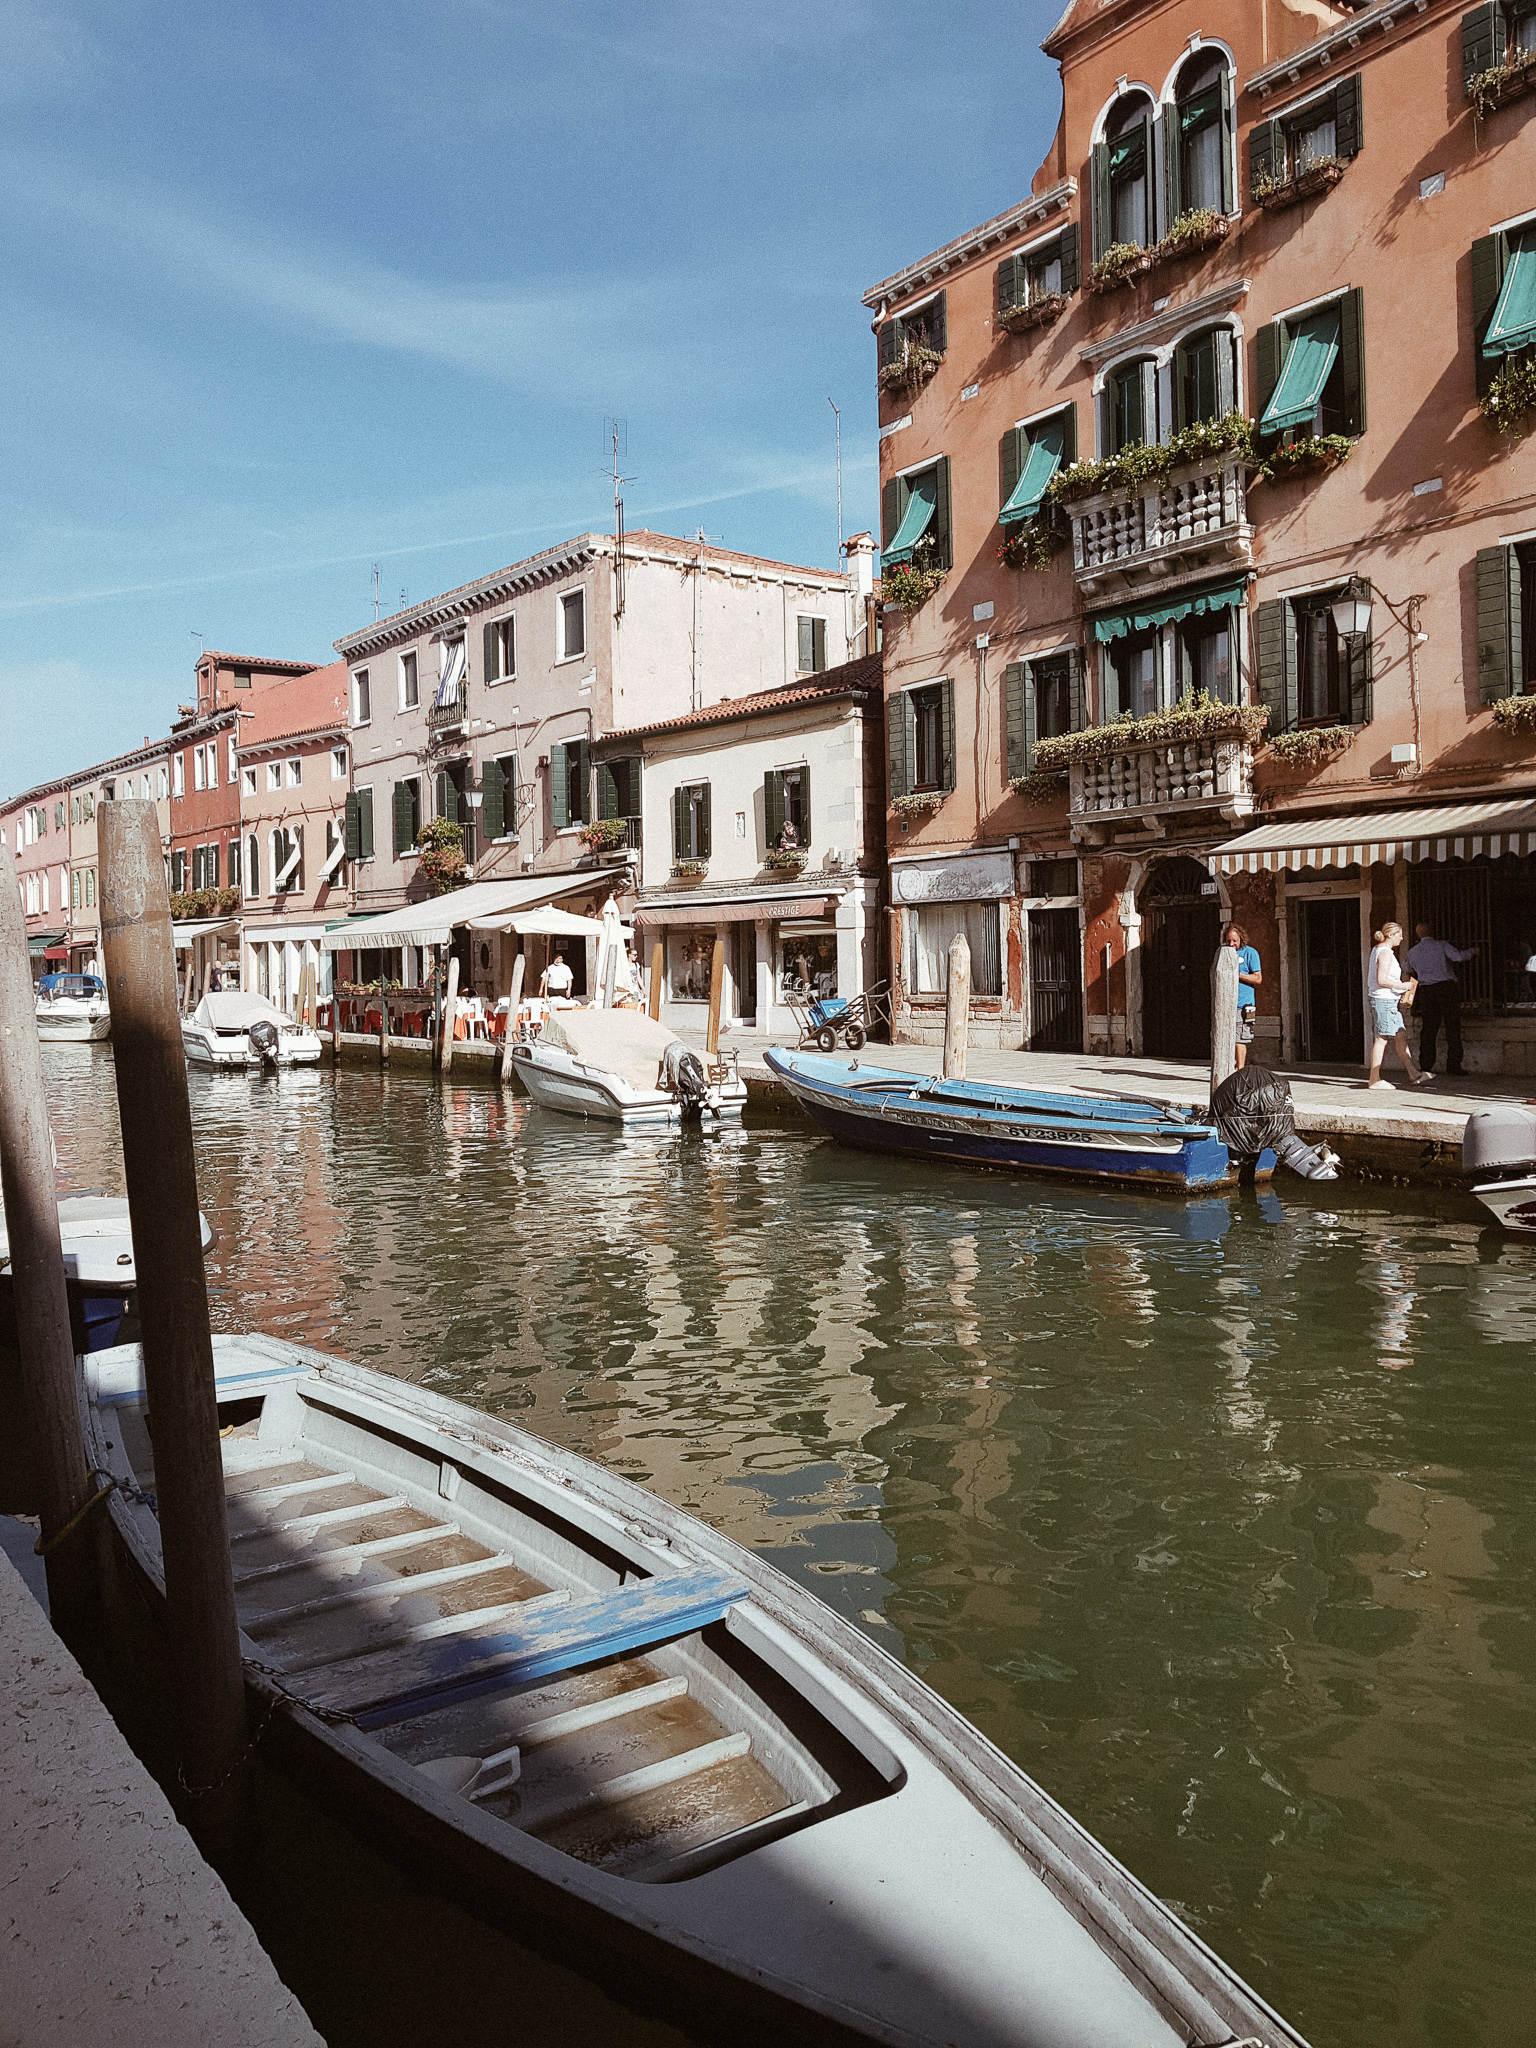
(811,657)
(498,642)
(1204,377)
(691,821)
(1048,271)
(570,800)
(1503,300)
(920,731)
(787,807)
(407,814)
(1330,125)
(1309,674)
(1031,456)
(359,825)
(1197,140)
(926,325)
(1495,34)
(915,518)
(1506,622)
(1311,370)
(1130,406)
(1121,171)
(1042,699)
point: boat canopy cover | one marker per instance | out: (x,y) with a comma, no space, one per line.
(622,1042)
(432,923)
(237,1010)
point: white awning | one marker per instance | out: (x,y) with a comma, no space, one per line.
(201,928)
(432,923)
(1437,832)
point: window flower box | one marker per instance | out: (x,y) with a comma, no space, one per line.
(1493,89)
(1311,456)
(689,870)
(1510,400)
(1034,543)
(1308,748)
(911,369)
(919,803)
(1121,264)
(1039,313)
(909,586)
(785,860)
(1321,175)
(604,834)
(1193,233)
(1516,717)
(1041,788)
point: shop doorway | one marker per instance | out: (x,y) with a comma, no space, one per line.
(1332,1005)
(1180,931)
(1055,982)
(744,971)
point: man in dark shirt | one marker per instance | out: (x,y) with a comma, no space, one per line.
(1437,999)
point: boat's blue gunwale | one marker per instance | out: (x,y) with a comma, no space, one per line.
(995,1096)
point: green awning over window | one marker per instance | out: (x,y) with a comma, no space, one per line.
(1045,446)
(1180,605)
(1311,356)
(1514,318)
(1194,113)
(915,522)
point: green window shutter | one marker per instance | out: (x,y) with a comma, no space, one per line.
(1488,259)
(1498,575)
(805,805)
(354,830)
(1016,756)
(1071,257)
(1180,374)
(1266,155)
(1273,624)
(559,787)
(944,548)
(1010,283)
(818,645)
(1348,127)
(679,815)
(947,732)
(889,344)
(1268,353)
(581,783)
(773,807)
(1099,179)
(607,792)
(488,653)
(1361,703)
(890,514)
(1352,361)
(1172,168)
(936,322)
(896,745)
(493,804)
(365,823)
(1482,42)
(806,654)
(1228,140)
(704,825)
(1012,460)
(1069,434)
(405,830)
(1226,371)
(1077,709)
(1517,625)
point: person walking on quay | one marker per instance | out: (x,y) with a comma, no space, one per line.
(1249,975)
(1388,992)
(1438,1001)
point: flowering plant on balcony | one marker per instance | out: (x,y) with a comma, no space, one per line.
(1310,746)
(1141,464)
(1200,228)
(442,855)
(1276,189)
(919,803)
(909,585)
(912,368)
(1019,319)
(204,902)
(1516,716)
(1510,399)
(1490,89)
(785,860)
(1194,717)
(1039,788)
(1120,262)
(1302,457)
(1034,543)
(603,834)
(689,870)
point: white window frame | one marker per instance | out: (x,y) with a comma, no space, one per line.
(296,774)
(561,654)
(335,846)
(1199,46)
(411,656)
(362,689)
(178,775)
(250,881)
(505,629)
(163,782)
(274,776)
(282,879)
(340,760)
(234,764)
(250,782)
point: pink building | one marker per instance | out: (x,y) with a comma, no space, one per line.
(36,828)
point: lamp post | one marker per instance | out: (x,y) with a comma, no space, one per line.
(1351,609)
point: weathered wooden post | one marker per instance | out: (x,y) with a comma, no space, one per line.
(450,1011)
(335,1016)
(653,1006)
(504,1068)
(383,1024)
(610,972)
(957,1008)
(160,1167)
(716,991)
(1224,989)
(53,1456)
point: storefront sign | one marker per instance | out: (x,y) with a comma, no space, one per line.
(980,877)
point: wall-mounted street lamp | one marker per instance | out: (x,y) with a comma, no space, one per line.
(1352,608)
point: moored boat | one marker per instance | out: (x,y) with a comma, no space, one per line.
(72,1009)
(1498,1154)
(621,1736)
(231,1030)
(985,1123)
(99,1270)
(622,1067)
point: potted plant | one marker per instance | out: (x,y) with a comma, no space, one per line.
(1120,263)
(1039,312)
(788,857)
(1200,228)
(1495,88)
(1034,543)
(1510,399)
(919,803)
(1516,716)
(603,834)
(912,368)
(1308,748)
(909,585)
(1310,455)
(689,870)
(442,855)
(1040,788)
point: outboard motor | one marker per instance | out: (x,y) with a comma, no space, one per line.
(1254,1114)
(263,1042)
(1499,1143)
(685,1075)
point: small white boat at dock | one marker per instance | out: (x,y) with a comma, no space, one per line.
(99,1268)
(629,1741)
(72,1009)
(623,1067)
(232,1030)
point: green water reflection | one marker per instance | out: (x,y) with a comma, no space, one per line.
(1216,1517)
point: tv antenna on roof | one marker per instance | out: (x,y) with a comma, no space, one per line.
(837,416)
(616,436)
(198,638)
(375,592)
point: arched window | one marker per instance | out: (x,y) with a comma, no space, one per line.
(1129,413)
(1204,377)
(1197,138)
(1122,177)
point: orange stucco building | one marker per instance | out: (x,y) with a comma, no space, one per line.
(1220,386)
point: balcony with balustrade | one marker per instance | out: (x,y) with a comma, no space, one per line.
(1140,540)
(1145,784)
(448,720)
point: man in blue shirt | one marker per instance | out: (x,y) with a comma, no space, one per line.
(1249,976)
(1437,999)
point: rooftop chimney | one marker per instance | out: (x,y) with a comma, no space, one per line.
(861,564)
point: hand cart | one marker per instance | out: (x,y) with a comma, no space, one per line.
(850,1018)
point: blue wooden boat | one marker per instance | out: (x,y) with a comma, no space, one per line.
(985,1123)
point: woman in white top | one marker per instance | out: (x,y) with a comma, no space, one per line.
(1387,991)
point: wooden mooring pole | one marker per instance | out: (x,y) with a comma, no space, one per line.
(160,1167)
(1224,988)
(957,1009)
(504,1064)
(450,1014)
(54,1457)
(716,991)
(653,1006)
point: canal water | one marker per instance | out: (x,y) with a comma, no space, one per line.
(1216,1516)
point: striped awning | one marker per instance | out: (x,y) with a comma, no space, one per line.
(737,910)
(1441,832)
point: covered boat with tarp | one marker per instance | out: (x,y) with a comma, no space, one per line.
(73,1008)
(231,1030)
(625,1068)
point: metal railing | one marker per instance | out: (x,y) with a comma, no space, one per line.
(446,718)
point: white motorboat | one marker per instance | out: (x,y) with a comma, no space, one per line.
(625,1068)
(233,1030)
(99,1268)
(72,1008)
(1498,1154)
(613,1732)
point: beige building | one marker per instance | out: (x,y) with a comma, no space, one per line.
(145,774)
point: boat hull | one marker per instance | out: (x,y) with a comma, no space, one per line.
(1512,1205)
(82,1025)
(1013,1130)
(556,1081)
(232,1052)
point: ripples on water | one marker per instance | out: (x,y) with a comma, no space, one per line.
(1215,1516)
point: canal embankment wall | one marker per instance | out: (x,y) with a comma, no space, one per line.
(1408,1136)
(115,1932)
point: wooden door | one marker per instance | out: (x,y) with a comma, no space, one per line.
(1331,977)
(1181,929)
(1055,982)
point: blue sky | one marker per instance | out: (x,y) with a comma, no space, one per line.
(292,290)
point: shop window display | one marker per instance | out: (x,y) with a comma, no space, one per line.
(808,965)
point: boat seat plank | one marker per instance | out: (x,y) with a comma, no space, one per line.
(306,1540)
(376,1581)
(282,1525)
(682,1815)
(559,1777)
(536,1809)
(372,1636)
(256,1499)
(395,1685)
(491,1721)
(440,1542)
(242,1474)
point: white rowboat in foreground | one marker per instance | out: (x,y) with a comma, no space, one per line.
(624,1738)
